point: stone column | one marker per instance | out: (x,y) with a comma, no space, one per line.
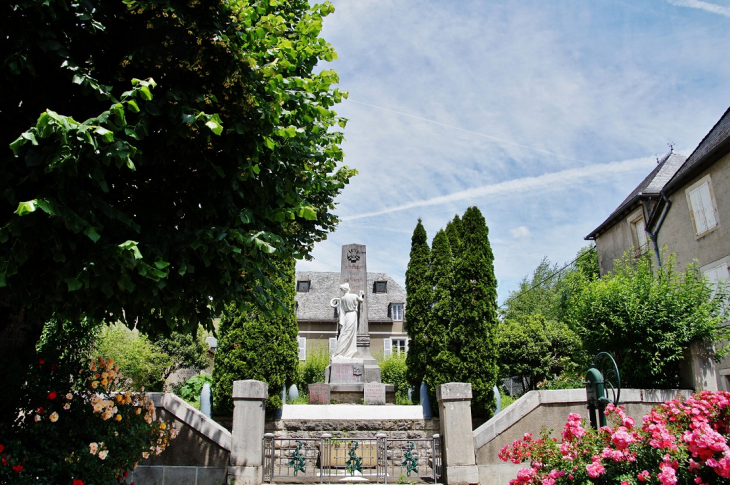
(698,368)
(249,405)
(457,437)
(354,271)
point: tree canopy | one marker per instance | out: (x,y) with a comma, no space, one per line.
(648,317)
(157,152)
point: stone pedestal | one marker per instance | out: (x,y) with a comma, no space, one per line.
(249,406)
(341,373)
(459,460)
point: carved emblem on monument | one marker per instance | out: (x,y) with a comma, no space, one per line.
(353,255)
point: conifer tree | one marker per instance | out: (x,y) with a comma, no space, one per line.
(454,232)
(439,276)
(258,345)
(471,351)
(418,305)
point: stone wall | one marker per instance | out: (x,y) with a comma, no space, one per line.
(546,409)
(199,455)
(392,428)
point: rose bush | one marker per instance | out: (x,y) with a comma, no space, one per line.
(72,430)
(680,441)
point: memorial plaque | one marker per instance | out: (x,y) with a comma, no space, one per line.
(319,393)
(346,373)
(374,393)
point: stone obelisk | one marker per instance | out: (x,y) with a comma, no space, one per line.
(354,271)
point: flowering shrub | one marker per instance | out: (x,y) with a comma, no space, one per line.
(72,430)
(680,441)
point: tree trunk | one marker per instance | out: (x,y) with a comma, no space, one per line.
(18,337)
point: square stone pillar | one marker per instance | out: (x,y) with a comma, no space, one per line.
(457,437)
(249,406)
(698,368)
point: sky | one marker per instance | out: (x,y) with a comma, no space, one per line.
(544,114)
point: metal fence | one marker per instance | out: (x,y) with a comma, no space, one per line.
(377,459)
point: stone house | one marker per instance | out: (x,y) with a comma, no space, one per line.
(318,321)
(684,204)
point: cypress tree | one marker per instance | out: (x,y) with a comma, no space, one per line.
(454,230)
(418,305)
(471,346)
(439,277)
(258,345)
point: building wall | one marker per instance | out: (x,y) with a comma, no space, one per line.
(612,244)
(677,232)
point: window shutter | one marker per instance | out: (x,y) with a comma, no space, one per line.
(333,345)
(717,275)
(640,233)
(695,200)
(302,341)
(387,347)
(707,207)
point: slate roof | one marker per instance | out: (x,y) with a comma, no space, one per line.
(314,305)
(651,186)
(715,144)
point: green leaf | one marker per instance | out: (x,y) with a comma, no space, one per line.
(133,106)
(308,212)
(146,93)
(162,264)
(131,246)
(105,134)
(26,207)
(73,284)
(92,234)
(214,126)
(269,143)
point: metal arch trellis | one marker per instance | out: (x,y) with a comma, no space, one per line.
(602,375)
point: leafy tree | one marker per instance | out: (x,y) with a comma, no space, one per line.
(418,305)
(470,350)
(537,295)
(141,363)
(187,351)
(259,345)
(156,154)
(647,318)
(533,348)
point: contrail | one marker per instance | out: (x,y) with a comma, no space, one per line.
(550,180)
(707,6)
(489,137)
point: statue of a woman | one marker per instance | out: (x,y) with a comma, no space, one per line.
(347,306)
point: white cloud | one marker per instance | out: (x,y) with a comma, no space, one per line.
(521,232)
(707,6)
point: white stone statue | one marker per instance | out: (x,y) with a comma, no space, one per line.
(347,307)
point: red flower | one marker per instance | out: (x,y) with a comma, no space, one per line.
(41,361)
(17,468)
(2,447)
(78,482)
(52,395)
(54,367)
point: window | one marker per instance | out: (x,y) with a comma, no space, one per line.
(716,273)
(380,287)
(399,345)
(639,239)
(302,286)
(701,203)
(302,341)
(396,311)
